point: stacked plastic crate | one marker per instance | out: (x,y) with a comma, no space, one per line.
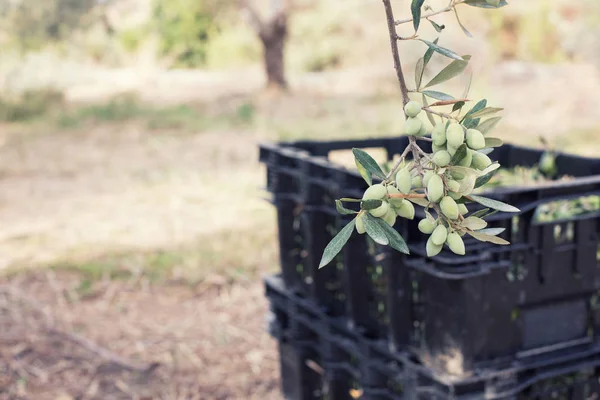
(515,322)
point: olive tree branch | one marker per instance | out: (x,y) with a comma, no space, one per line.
(395,53)
(432,14)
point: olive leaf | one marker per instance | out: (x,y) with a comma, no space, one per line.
(437,27)
(415,8)
(461,152)
(396,241)
(484,4)
(419,201)
(437,95)
(442,50)
(489,124)
(375,231)
(468,87)
(482,237)
(429,53)
(370,204)
(493,204)
(420,68)
(465,30)
(476,108)
(447,102)
(484,112)
(493,142)
(452,70)
(429,114)
(492,231)
(349,200)
(482,180)
(474,223)
(480,213)
(367,166)
(458,106)
(343,210)
(337,244)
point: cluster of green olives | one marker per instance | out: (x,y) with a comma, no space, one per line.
(390,207)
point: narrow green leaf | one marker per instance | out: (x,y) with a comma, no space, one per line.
(349,200)
(429,53)
(437,27)
(465,30)
(474,223)
(477,107)
(489,124)
(482,180)
(362,158)
(458,106)
(468,87)
(370,204)
(461,152)
(375,231)
(482,237)
(397,242)
(484,4)
(493,142)
(492,231)
(337,244)
(343,210)
(442,50)
(429,115)
(419,201)
(420,68)
(437,95)
(452,70)
(493,204)
(486,111)
(368,177)
(480,213)
(415,8)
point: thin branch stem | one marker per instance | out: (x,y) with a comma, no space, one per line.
(396,55)
(407,196)
(439,114)
(431,14)
(397,164)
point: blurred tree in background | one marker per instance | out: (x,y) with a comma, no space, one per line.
(32,24)
(185,28)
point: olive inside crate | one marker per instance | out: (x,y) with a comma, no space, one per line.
(495,304)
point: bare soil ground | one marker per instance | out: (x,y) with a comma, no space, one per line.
(132,340)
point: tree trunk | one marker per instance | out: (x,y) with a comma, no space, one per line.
(273,36)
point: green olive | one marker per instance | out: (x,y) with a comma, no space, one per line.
(406,210)
(462,209)
(456,244)
(435,188)
(390,217)
(427,177)
(412,126)
(455,135)
(475,139)
(403,180)
(375,192)
(413,108)
(360,225)
(452,185)
(480,161)
(417,181)
(432,248)
(381,210)
(439,235)
(439,135)
(442,158)
(427,226)
(449,207)
(467,159)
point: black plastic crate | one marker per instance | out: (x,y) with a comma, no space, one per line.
(496,304)
(322,359)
